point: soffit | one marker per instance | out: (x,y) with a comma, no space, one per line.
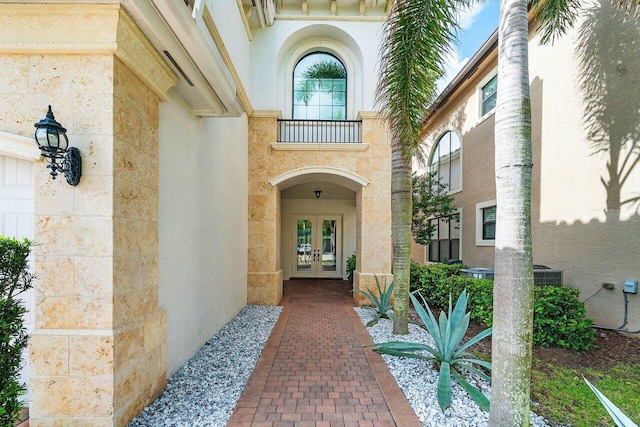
(205,81)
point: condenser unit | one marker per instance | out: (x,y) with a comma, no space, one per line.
(477,273)
(545,276)
(542,275)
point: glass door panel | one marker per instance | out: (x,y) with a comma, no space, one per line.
(329,244)
(317,243)
(303,245)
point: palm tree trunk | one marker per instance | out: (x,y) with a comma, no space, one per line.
(513,285)
(401,214)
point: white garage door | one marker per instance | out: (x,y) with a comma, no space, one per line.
(17,216)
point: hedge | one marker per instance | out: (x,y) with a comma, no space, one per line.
(559,319)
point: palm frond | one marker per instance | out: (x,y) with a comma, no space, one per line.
(418,35)
(554,17)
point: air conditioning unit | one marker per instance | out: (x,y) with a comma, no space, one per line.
(477,273)
(545,276)
(542,275)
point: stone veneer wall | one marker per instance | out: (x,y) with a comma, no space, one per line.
(373,203)
(97,353)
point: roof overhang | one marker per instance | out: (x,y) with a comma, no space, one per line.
(205,81)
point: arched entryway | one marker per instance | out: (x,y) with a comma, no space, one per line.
(318,221)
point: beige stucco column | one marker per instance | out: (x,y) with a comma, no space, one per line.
(373,204)
(97,355)
(264,277)
(364,168)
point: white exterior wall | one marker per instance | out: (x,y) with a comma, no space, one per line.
(226,16)
(272,48)
(202,226)
(291,207)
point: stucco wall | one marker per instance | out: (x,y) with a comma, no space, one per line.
(272,48)
(203,225)
(580,223)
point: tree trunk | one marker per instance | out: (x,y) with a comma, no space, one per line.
(401,214)
(513,285)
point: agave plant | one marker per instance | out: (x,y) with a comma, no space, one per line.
(381,301)
(616,414)
(449,351)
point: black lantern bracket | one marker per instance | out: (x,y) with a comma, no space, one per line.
(52,140)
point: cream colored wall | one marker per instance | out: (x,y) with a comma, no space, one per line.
(373,202)
(290,207)
(273,47)
(574,228)
(203,225)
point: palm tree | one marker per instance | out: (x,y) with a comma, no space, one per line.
(417,36)
(513,284)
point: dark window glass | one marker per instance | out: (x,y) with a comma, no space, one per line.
(445,243)
(489,223)
(489,95)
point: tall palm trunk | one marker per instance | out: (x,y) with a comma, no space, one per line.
(401,215)
(513,285)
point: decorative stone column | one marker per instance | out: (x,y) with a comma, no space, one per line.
(370,161)
(98,353)
(373,204)
(264,277)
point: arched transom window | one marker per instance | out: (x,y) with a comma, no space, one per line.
(445,161)
(320,88)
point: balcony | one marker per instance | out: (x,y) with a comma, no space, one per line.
(319,131)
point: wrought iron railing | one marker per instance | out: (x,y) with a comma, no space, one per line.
(319,131)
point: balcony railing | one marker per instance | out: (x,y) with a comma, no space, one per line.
(320,131)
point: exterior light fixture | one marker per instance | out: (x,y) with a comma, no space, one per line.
(54,146)
(317,193)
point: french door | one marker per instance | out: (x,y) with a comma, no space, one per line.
(317,246)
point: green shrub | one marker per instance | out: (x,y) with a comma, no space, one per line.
(559,317)
(351,266)
(432,274)
(14,280)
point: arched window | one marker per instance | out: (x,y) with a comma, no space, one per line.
(445,161)
(320,88)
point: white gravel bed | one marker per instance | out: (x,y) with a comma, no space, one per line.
(419,381)
(206,389)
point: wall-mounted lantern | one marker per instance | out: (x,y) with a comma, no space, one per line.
(318,193)
(54,145)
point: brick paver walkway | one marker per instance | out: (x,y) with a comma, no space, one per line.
(314,371)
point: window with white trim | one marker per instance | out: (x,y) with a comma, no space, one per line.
(486,223)
(489,95)
(445,161)
(445,241)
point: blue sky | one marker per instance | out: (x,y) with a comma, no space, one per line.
(477,23)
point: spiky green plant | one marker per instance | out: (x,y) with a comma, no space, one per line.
(449,351)
(381,301)
(615,413)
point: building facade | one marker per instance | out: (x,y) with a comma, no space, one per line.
(215,166)
(586,181)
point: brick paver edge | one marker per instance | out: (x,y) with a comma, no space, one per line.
(248,403)
(398,404)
